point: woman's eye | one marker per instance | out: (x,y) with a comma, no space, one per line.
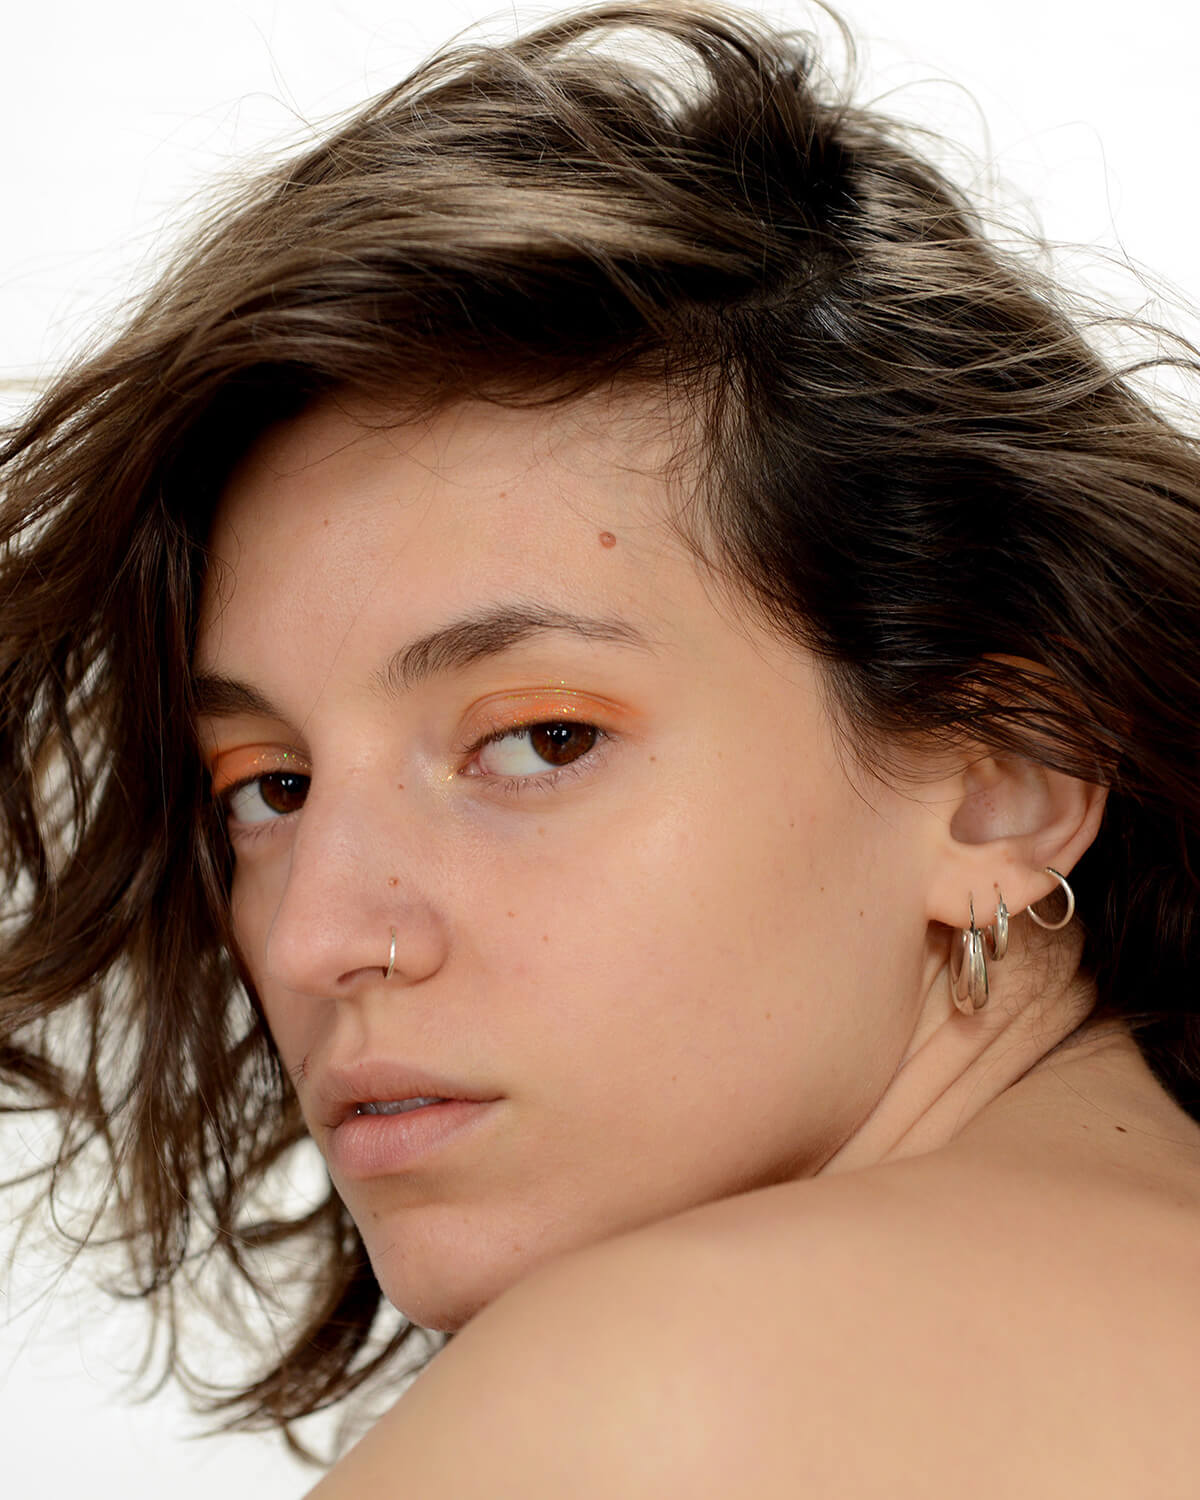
(532,748)
(267,797)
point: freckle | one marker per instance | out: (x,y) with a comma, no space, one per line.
(545,937)
(542,831)
(607,539)
(399,786)
(766,1015)
(504,494)
(791,822)
(512,913)
(654,757)
(861,914)
(393,880)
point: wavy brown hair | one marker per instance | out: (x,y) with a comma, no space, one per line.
(911,462)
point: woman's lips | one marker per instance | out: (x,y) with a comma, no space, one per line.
(337,1093)
(394,1106)
(370,1145)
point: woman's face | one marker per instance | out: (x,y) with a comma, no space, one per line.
(667,943)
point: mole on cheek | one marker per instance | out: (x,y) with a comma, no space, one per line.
(607,539)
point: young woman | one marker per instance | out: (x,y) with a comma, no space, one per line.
(598,650)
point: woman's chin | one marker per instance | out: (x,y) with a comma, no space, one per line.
(439,1310)
(444,1295)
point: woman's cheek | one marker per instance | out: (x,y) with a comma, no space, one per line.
(250,920)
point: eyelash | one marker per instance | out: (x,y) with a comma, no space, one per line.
(543,781)
(246,833)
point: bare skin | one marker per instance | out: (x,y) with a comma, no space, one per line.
(699,983)
(1013,1314)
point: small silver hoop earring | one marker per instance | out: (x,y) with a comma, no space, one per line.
(1070,912)
(968,968)
(997,931)
(391,963)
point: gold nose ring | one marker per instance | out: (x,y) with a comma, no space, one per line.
(391,963)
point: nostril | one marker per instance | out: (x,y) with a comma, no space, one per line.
(338,922)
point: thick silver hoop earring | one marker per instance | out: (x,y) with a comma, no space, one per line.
(391,963)
(1070,912)
(968,968)
(997,931)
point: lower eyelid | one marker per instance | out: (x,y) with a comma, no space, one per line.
(551,775)
(545,780)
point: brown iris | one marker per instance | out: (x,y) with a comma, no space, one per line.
(283,791)
(559,744)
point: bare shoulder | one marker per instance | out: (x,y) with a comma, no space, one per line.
(916,1330)
(960,1324)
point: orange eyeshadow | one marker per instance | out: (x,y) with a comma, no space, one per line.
(244,762)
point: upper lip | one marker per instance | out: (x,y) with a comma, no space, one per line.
(338,1091)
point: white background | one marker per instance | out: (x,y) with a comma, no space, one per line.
(113,115)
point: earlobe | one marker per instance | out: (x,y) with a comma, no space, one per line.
(973,947)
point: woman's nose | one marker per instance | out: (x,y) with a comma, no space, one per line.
(357,904)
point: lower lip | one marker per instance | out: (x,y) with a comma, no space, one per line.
(378,1145)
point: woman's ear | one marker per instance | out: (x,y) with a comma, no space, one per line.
(1005,820)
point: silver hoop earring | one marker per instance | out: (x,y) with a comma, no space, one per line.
(391,963)
(1070,912)
(997,931)
(968,968)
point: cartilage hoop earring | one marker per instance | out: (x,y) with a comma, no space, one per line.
(1070,912)
(391,963)
(997,931)
(968,968)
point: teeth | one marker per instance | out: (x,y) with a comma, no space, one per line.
(395,1106)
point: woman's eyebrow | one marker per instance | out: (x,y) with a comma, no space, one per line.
(450,648)
(217,697)
(491,631)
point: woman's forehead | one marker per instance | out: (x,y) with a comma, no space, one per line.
(339,544)
(342,516)
(472,498)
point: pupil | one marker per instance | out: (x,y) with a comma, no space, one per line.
(283,791)
(562,743)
